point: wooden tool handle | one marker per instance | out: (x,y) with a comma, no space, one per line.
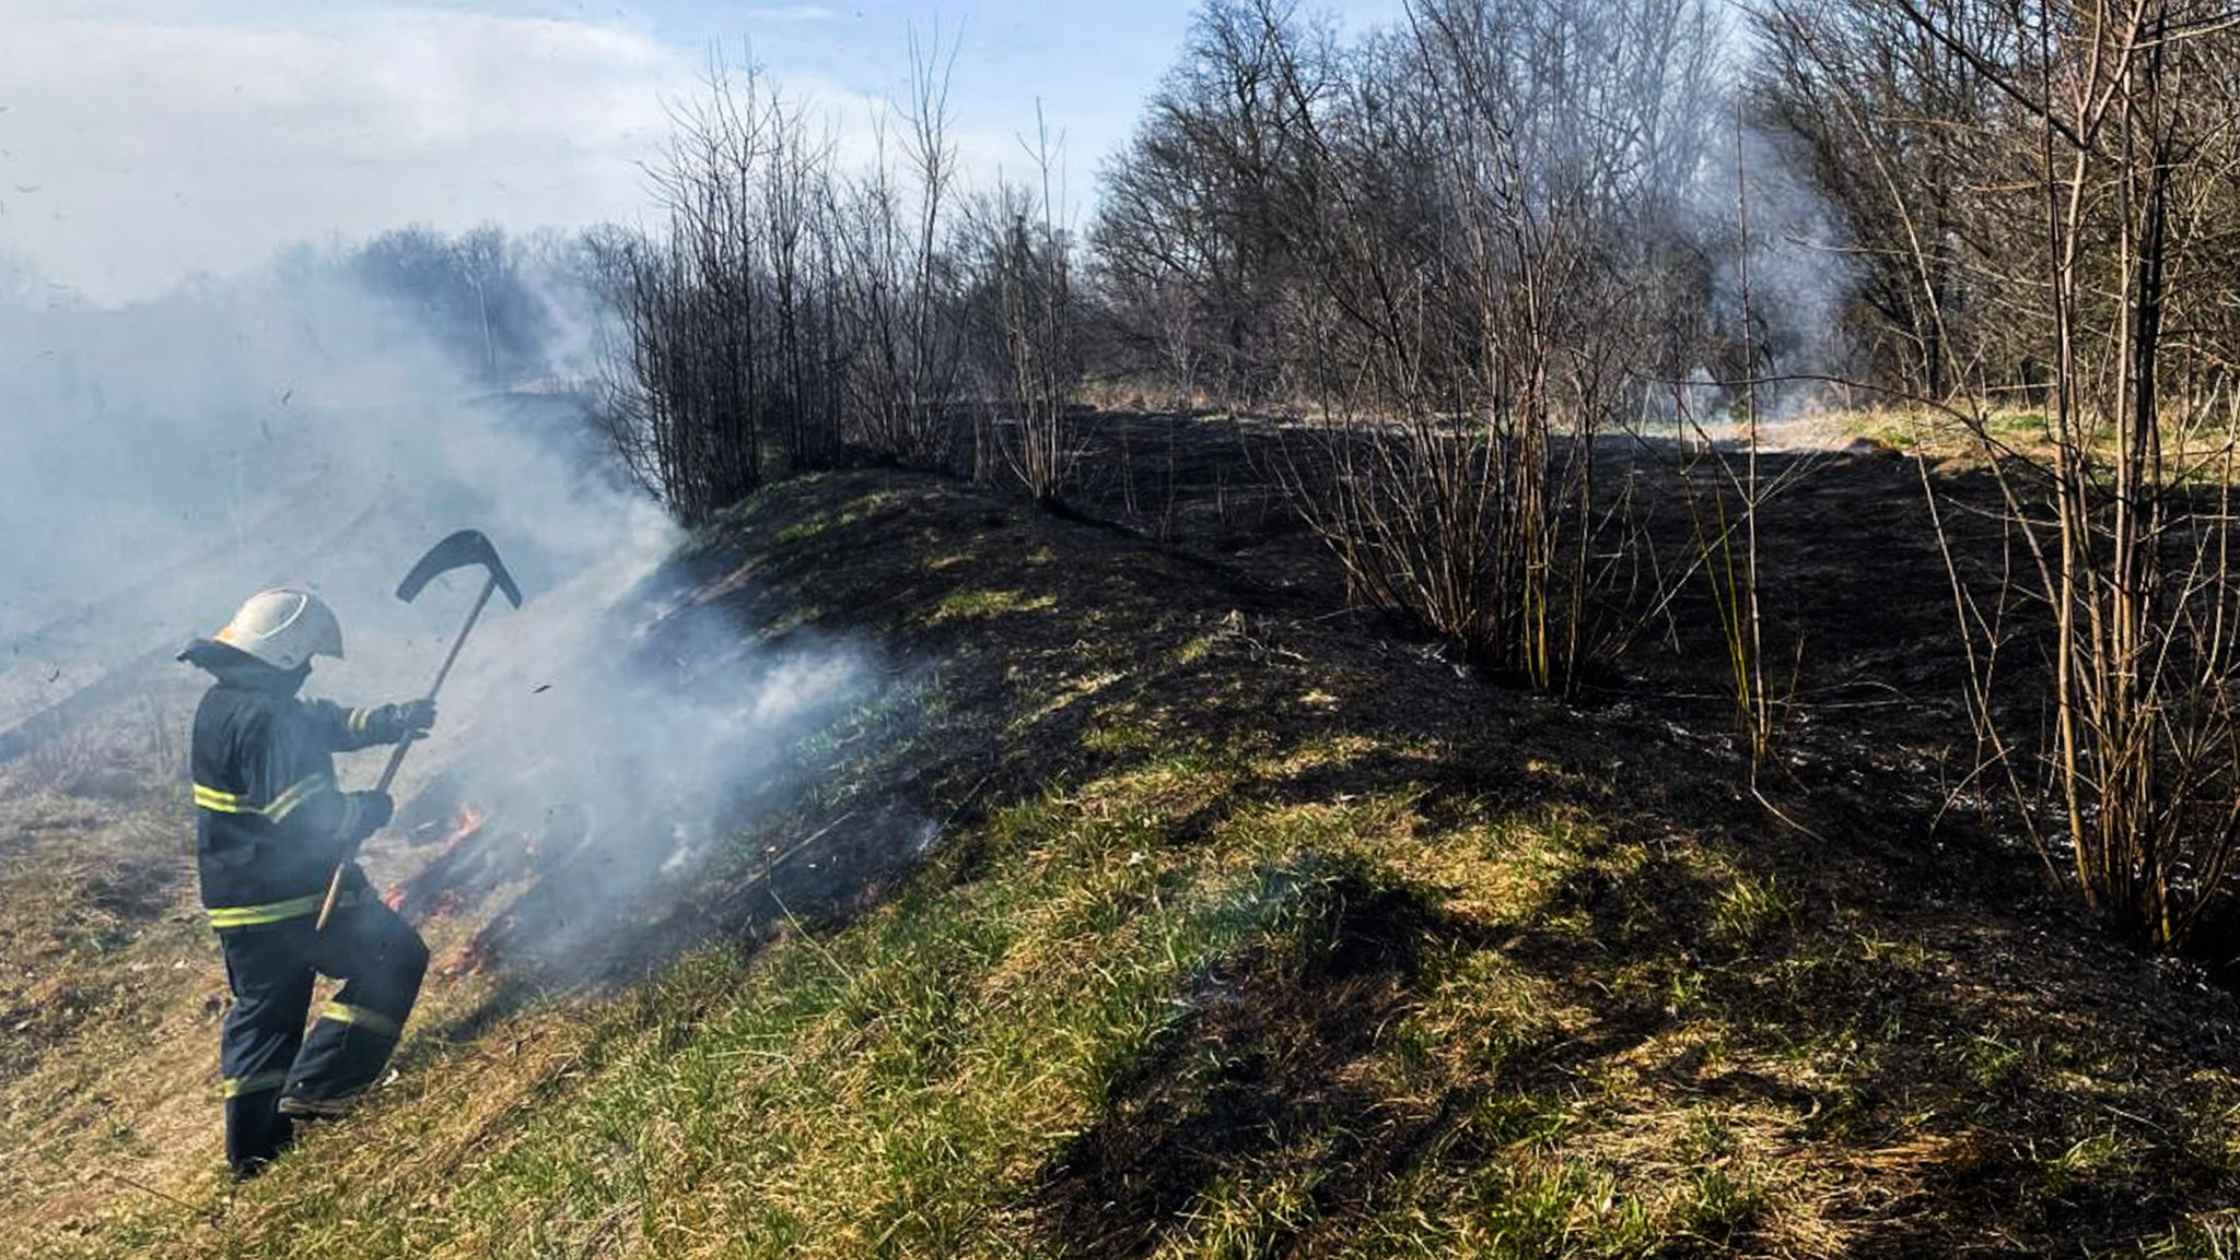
(396,758)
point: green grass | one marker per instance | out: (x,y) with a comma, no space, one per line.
(880,1091)
(2195,456)
(1750,909)
(870,507)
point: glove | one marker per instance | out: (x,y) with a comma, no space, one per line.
(416,716)
(375,809)
(394,723)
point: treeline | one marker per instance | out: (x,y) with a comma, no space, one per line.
(1289,195)
(1513,211)
(509,308)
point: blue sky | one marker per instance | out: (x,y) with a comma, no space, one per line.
(143,140)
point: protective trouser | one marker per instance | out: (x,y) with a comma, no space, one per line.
(264,1053)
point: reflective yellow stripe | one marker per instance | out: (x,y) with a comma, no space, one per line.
(276,911)
(282,805)
(270,912)
(223,802)
(236,1086)
(371,1021)
(359,719)
(297,793)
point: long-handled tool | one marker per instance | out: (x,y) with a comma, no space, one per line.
(462,550)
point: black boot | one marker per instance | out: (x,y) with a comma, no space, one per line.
(256,1133)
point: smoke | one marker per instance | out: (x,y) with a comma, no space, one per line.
(1774,282)
(168,458)
(1799,276)
(612,750)
(224,429)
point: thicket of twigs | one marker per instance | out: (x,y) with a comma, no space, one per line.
(2048,195)
(791,313)
(1462,248)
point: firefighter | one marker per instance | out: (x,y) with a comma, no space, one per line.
(270,825)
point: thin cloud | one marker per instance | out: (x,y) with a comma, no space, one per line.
(165,147)
(791,13)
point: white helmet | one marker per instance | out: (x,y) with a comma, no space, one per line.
(284,628)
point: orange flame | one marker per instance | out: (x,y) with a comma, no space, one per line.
(468,959)
(465,826)
(469,823)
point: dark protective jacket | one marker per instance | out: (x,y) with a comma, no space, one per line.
(270,823)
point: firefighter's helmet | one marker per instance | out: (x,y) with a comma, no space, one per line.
(284,628)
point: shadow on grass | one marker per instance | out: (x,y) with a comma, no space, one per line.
(1264,1055)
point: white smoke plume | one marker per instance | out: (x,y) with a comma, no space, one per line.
(168,458)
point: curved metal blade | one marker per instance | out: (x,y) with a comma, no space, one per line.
(464,549)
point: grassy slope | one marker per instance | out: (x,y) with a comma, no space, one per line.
(1248,933)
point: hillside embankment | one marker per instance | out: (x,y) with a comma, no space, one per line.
(1129,902)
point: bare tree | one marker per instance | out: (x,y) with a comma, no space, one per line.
(1029,325)
(1188,237)
(1921,97)
(904,287)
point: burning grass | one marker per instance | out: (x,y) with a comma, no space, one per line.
(1160,916)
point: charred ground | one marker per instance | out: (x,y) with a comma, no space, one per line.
(1153,905)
